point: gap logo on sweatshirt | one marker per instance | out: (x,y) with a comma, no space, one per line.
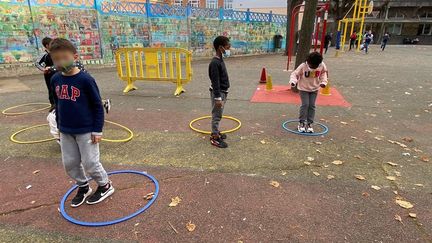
(64,93)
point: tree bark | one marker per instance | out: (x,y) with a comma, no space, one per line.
(306,31)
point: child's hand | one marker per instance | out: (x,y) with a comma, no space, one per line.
(322,85)
(218,104)
(96,139)
(47,69)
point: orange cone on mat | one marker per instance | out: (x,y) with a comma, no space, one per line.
(263,76)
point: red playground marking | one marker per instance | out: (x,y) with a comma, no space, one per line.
(283,94)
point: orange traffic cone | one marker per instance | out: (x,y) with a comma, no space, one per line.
(263,79)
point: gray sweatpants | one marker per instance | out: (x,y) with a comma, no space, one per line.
(217,112)
(80,157)
(307,109)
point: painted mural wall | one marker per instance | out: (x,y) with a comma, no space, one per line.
(97,34)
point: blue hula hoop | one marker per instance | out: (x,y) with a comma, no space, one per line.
(324,127)
(116,221)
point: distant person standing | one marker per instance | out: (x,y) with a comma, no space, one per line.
(327,41)
(353,39)
(385,39)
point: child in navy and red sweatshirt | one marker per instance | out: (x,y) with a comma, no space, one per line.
(80,119)
(45,64)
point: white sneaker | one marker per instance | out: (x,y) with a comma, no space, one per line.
(309,128)
(301,127)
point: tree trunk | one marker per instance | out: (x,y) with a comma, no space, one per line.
(306,31)
(290,5)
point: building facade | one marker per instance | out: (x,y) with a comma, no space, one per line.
(402,19)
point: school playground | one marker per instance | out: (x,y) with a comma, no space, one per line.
(367,180)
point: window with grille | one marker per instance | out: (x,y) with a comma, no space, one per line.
(425,29)
(212,4)
(194,3)
(228,4)
(395,29)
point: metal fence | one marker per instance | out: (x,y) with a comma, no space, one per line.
(99,27)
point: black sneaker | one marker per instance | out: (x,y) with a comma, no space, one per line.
(80,197)
(101,194)
(218,142)
(223,136)
(107,105)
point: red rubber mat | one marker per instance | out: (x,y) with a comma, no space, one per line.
(283,94)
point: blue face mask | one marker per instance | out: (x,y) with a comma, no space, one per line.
(226,53)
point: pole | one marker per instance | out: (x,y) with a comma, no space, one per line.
(354,17)
(324,31)
(317,29)
(363,11)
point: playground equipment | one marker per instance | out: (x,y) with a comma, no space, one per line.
(13,139)
(116,221)
(360,9)
(6,112)
(324,131)
(208,132)
(154,64)
(322,11)
(326,90)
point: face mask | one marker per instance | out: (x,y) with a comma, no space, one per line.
(66,66)
(226,53)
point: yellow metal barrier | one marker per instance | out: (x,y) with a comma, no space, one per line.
(154,64)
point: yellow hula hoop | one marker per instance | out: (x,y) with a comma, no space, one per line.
(5,111)
(208,132)
(12,137)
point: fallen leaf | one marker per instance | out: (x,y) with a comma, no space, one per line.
(391,141)
(407,139)
(424,159)
(360,177)
(357,156)
(35,172)
(355,138)
(406,154)
(413,215)
(398,218)
(344,123)
(378,138)
(417,150)
(368,131)
(337,162)
(275,184)
(149,196)
(174,201)
(365,194)
(136,224)
(330,177)
(310,159)
(421,185)
(284,173)
(307,163)
(316,173)
(190,227)
(397,173)
(263,142)
(391,178)
(32,202)
(28,187)
(318,143)
(376,188)
(391,163)
(404,204)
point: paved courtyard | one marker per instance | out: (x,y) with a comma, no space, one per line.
(345,186)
